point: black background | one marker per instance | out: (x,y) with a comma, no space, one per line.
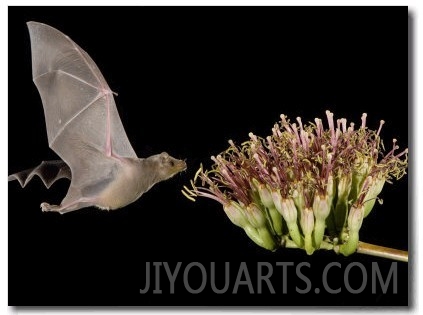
(188,80)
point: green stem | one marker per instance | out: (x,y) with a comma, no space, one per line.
(287,243)
(350,246)
(276,220)
(340,214)
(380,251)
(326,246)
(261,236)
(295,234)
(319,231)
(308,244)
(362,248)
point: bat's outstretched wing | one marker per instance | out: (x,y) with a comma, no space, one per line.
(79,107)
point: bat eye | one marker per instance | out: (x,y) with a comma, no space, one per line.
(172,164)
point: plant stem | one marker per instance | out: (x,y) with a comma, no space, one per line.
(380,251)
(362,248)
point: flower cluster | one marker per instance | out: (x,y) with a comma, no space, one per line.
(304,186)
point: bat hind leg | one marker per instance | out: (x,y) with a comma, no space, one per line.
(73,200)
(68,207)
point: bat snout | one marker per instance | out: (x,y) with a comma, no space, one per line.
(179,166)
(171,166)
(182,165)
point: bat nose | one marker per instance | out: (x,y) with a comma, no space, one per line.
(182,165)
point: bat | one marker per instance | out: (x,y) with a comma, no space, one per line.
(84,129)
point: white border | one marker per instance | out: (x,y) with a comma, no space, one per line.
(414,7)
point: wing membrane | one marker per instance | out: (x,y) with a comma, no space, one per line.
(78,104)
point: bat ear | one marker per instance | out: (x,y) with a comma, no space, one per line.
(163,157)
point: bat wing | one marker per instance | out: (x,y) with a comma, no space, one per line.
(83,124)
(47,171)
(78,103)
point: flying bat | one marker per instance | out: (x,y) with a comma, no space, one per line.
(84,129)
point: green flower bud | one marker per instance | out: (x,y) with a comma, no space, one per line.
(265,196)
(355,218)
(298,196)
(375,188)
(307,226)
(262,237)
(321,206)
(286,207)
(276,221)
(361,170)
(255,216)
(235,213)
(321,209)
(342,203)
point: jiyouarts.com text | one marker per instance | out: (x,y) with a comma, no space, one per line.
(265,278)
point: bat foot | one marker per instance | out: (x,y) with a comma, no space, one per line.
(46,207)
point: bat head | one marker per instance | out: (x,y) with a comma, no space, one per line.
(168,166)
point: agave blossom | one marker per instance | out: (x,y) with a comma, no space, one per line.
(305,185)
